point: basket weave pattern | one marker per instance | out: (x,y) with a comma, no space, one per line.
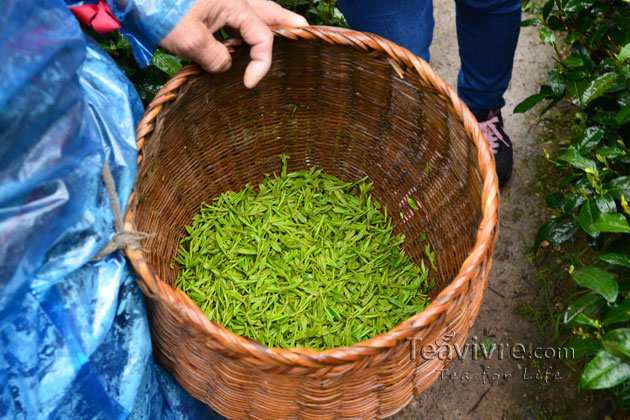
(354,105)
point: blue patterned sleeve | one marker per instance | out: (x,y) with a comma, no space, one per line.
(147,22)
(144,22)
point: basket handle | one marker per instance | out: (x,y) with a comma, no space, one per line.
(233,43)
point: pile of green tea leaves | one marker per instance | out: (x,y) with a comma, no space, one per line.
(307,261)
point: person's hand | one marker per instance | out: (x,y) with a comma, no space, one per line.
(193,37)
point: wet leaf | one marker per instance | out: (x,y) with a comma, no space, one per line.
(530,22)
(586,217)
(574,62)
(577,74)
(555,234)
(606,117)
(616,314)
(622,260)
(589,304)
(618,187)
(575,159)
(597,280)
(605,222)
(589,139)
(617,342)
(624,54)
(530,102)
(169,64)
(604,371)
(598,87)
(557,81)
(573,6)
(547,36)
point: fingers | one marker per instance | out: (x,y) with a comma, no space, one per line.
(259,37)
(273,14)
(194,40)
(192,37)
(209,53)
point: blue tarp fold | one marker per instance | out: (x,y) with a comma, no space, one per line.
(74,337)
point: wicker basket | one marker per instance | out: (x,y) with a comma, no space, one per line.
(353,104)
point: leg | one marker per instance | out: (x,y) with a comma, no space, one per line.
(408,23)
(487,31)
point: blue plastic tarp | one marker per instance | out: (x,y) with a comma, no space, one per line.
(74,337)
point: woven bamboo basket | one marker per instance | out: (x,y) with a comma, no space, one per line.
(355,105)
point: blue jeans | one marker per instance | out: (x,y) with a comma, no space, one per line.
(487,32)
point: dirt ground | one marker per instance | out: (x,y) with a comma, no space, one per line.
(509,388)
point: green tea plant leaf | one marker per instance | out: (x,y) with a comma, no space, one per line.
(598,87)
(611,223)
(574,6)
(530,102)
(554,233)
(556,200)
(573,62)
(544,232)
(622,391)
(530,22)
(558,82)
(585,320)
(604,371)
(623,116)
(617,313)
(606,203)
(589,304)
(618,187)
(622,260)
(617,342)
(547,8)
(578,74)
(576,88)
(608,118)
(572,201)
(590,138)
(594,176)
(169,64)
(584,347)
(624,54)
(610,152)
(575,159)
(597,280)
(547,36)
(586,217)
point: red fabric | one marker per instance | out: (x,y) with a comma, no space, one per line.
(97,16)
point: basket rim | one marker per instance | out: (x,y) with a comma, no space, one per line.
(402,60)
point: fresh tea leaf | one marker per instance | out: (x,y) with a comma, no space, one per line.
(604,371)
(597,280)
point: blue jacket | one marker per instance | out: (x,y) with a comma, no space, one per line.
(74,338)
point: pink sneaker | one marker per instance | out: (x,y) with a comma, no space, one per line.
(491,124)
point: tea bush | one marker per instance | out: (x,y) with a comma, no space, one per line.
(592,43)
